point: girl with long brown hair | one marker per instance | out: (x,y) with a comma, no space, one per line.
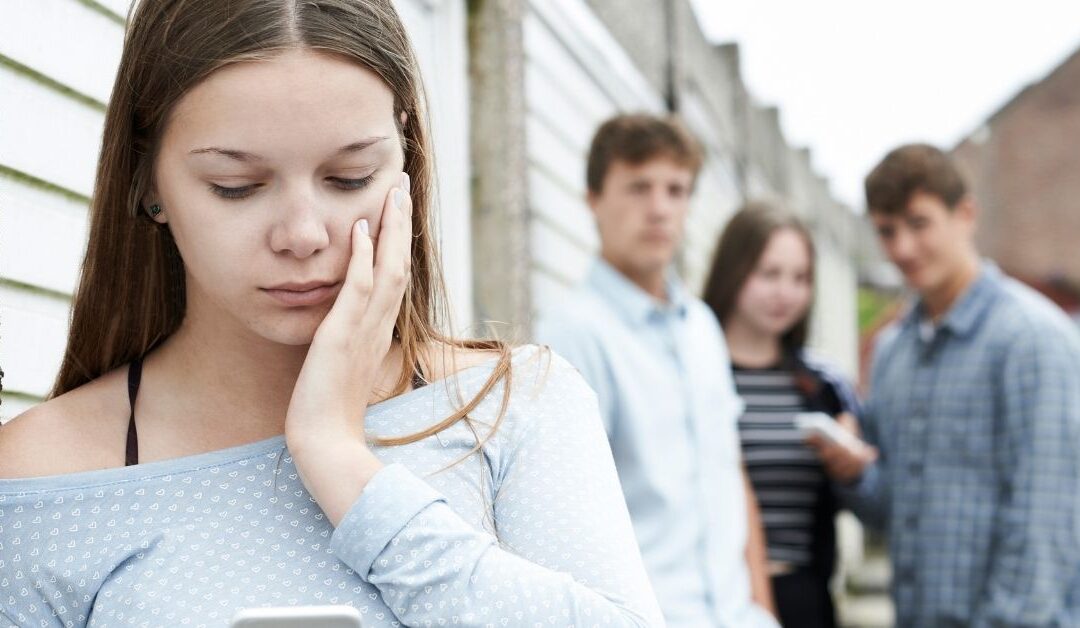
(256,407)
(761,289)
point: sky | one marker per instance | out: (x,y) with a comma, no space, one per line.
(855,78)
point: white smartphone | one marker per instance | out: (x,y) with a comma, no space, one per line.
(297,617)
(824,426)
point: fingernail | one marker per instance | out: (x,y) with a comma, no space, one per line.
(406,183)
(399,198)
(363,225)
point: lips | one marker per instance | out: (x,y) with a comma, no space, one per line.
(303,294)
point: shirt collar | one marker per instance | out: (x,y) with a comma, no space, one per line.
(630,301)
(964,316)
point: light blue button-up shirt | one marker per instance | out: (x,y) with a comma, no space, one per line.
(663,377)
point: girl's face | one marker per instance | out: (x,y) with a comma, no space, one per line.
(262,171)
(778,292)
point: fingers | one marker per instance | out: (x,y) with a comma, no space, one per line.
(393,257)
(352,300)
(840,462)
(848,421)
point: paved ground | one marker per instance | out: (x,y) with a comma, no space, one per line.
(865,603)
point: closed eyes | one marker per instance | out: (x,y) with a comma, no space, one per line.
(244,191)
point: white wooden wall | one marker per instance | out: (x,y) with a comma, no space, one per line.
(834,326)
(717,194)
(576,76)
(58,59)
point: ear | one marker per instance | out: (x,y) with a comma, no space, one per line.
(152,200)
(592,199)
(967,210)
(404,117)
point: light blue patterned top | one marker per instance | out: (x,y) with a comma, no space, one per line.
(978,483)
(663,378)
(533,531)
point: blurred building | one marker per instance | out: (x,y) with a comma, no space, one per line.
(516,88)
(1025,172)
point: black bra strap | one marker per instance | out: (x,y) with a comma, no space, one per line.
(417,378)
(134,378)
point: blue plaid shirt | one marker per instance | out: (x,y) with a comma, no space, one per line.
(978,484)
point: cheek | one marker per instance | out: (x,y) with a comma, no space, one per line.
(368,203)
(753,296)
(932,244)
(803,294)
(615,224)
(893,249)
(216,254)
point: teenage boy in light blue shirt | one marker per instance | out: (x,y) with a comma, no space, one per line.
(657,359)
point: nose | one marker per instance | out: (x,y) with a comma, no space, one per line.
(300,231)
(794,291)
(660,204)
(902,246)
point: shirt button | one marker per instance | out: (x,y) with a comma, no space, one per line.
(911,521)
(915,469)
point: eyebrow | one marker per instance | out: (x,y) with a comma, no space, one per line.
(245,156)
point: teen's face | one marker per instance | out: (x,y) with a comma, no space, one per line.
(778,292)
(640,213)
(262,171)
(928,242)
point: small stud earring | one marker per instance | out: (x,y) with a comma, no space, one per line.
(154,210)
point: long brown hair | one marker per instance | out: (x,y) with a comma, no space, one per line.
(737,255)
(131,293)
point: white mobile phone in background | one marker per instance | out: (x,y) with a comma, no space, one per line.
(297,617)
(824,426)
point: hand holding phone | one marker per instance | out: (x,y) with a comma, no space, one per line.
(825,427)
(843,454)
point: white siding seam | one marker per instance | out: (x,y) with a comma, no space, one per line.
(557,130)
(38,290)
(555,179)
(561,229)
(556,274)
(103,10)
(41,184)
(51,83)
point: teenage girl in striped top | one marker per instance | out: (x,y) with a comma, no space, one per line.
(761,289)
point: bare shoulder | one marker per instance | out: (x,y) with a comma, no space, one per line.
(81,430)
(443,360)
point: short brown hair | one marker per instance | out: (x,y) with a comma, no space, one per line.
(909,169)
(737,255)
(636,138)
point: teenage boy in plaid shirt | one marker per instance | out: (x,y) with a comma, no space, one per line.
(973,424)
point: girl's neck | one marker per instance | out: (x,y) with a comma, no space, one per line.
(750,347)
(225,377)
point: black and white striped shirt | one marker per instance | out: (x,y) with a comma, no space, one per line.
(784,472)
